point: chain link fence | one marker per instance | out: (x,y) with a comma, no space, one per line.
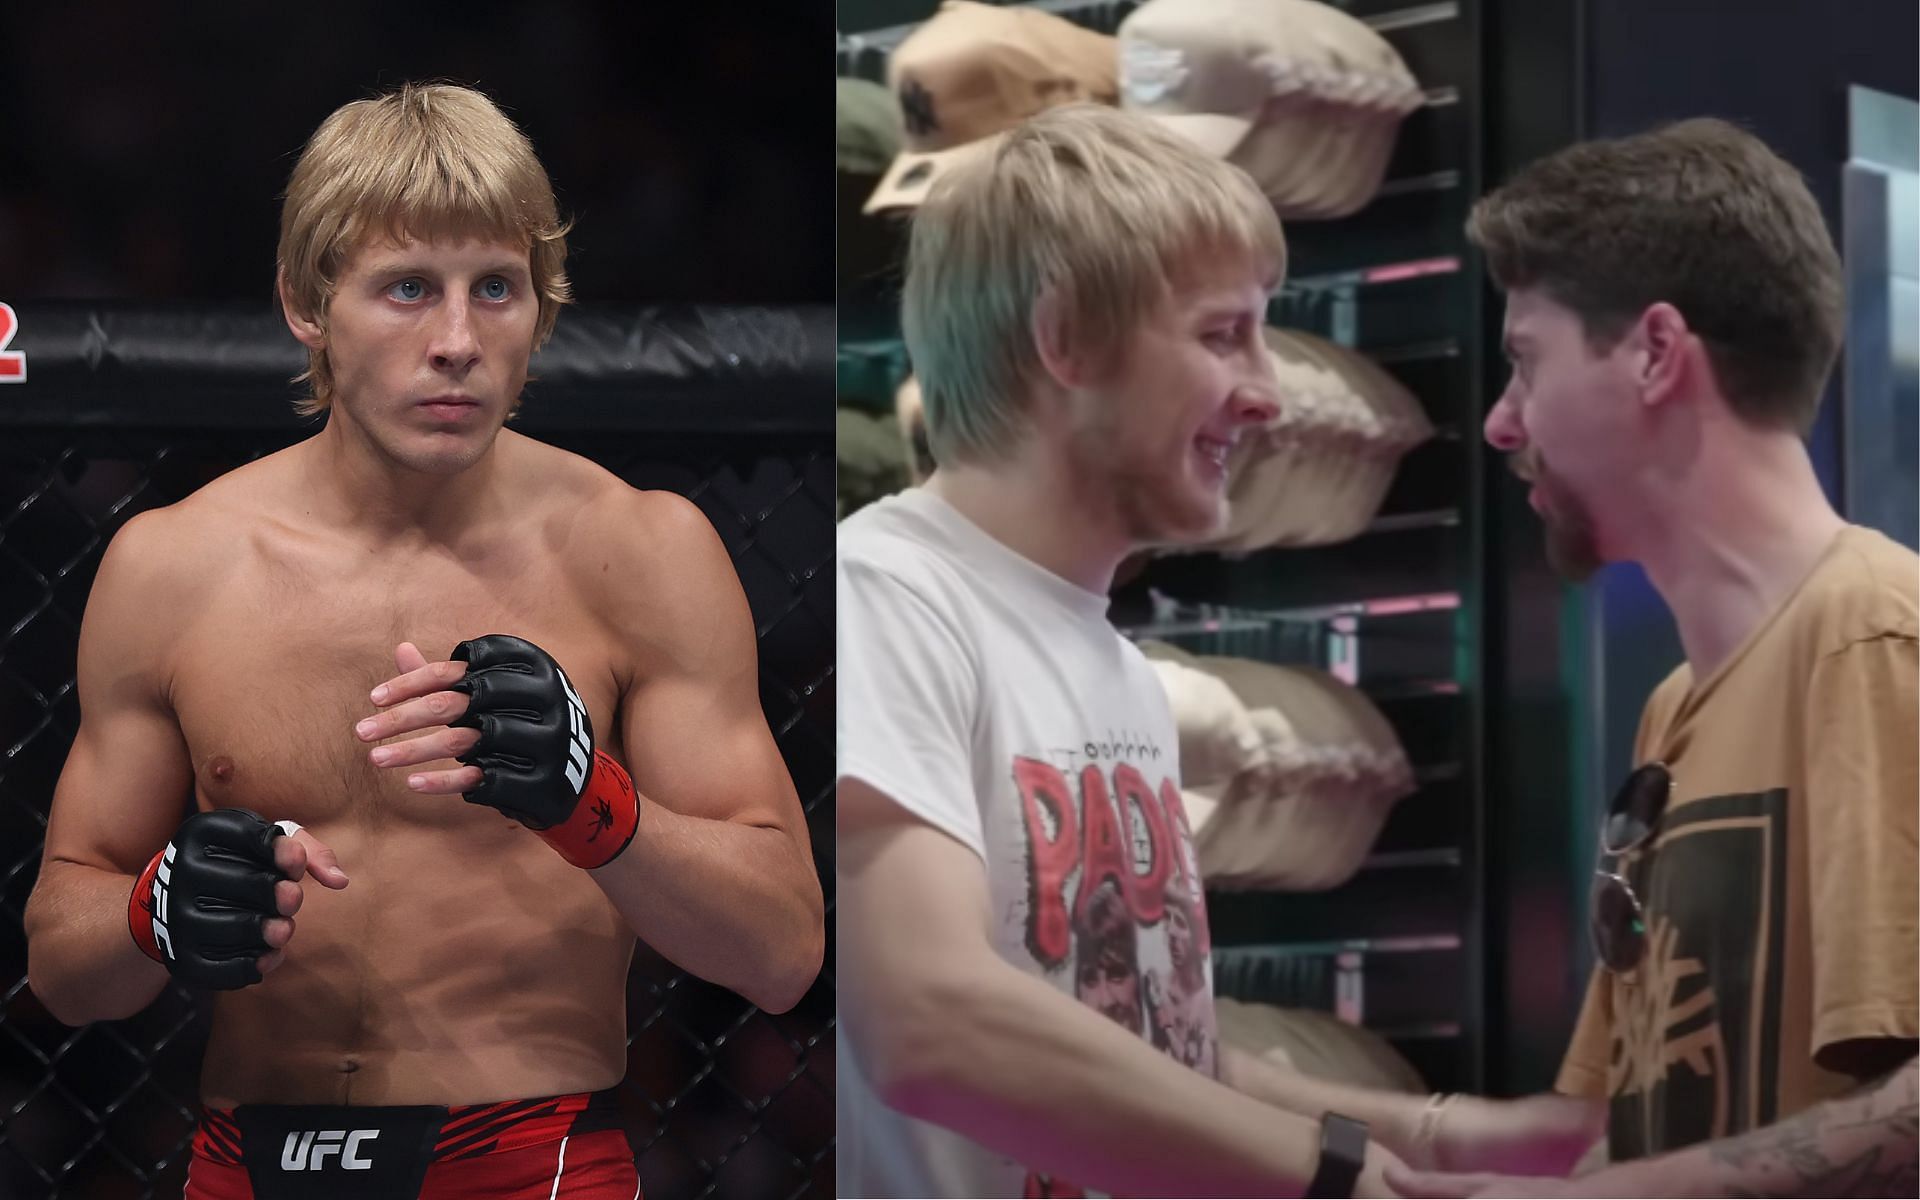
(721,1099)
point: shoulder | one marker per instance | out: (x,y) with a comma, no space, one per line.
(906,601)
(649,563)
(651,534)
(898,541)
(165,564)
(598,524)
(1661,706)
(870,534)
(895,583)
(147,576)
(900,523)
(1133,659)
(1152,688)
(549,480)
(1867,588)
(190,545)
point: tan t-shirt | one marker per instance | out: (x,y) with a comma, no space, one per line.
(1780,891)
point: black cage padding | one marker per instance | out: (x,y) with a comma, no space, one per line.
(732,370)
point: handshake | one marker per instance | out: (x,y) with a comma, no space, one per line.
(215,905)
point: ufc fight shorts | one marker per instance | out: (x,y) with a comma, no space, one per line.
(551,1149)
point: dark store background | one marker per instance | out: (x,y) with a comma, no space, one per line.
(145,154)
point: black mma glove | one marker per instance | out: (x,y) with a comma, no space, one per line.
(536,754)
(200,906)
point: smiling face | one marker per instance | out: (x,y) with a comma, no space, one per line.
(428,343)
(1569,419)
(1153,432)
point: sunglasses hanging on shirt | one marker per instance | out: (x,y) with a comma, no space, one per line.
(1616,920)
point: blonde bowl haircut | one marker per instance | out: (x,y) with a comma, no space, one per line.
(425,161)
(1101,208)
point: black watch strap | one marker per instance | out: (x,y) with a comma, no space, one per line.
(1343,1151)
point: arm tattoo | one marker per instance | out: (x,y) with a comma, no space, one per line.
(1863,1144)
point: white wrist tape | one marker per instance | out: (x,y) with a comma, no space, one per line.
(288,827)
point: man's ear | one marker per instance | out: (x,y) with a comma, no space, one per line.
(308,331)
(1063,356)
(1667,353)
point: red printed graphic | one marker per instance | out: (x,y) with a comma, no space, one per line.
(1136,796)
(1044,795)
(1107,852)
(1180,1004)
(1092,836)
(1187,860)
(13,363)
(1113,894)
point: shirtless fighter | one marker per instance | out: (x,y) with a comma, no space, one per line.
(446,1023)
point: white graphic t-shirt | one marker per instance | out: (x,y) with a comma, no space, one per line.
(991,698)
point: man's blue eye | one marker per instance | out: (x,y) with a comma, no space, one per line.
(495,289)
(406,289)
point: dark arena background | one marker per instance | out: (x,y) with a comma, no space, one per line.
(142,357)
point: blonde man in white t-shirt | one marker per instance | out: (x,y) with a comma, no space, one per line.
(1083,307)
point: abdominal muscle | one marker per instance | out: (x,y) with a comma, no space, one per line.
(463,964)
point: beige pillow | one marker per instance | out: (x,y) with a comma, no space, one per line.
(1305,818)
(1217,738)
(1317,1044)
(1317,473)
(1305,98)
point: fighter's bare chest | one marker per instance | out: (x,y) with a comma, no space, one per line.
(270,679)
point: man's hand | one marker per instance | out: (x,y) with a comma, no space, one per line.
(418,699)
(216,905)
(295,856)
(1860,1144)
(1410,1183)
(1376,1175)
(1542,1135)
(503,707)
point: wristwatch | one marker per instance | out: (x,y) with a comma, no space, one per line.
(1343,1150)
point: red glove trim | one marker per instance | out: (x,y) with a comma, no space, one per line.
(603,822)
(147,926)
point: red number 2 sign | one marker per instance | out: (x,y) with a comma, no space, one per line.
(13,363)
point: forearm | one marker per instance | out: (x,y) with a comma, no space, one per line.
(738,905)
(1027,1071)
(81,960)
(1392,1117)
(1860,1145)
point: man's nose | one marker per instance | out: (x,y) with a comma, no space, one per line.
(1255,404)
(1503,429)
(455,346)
